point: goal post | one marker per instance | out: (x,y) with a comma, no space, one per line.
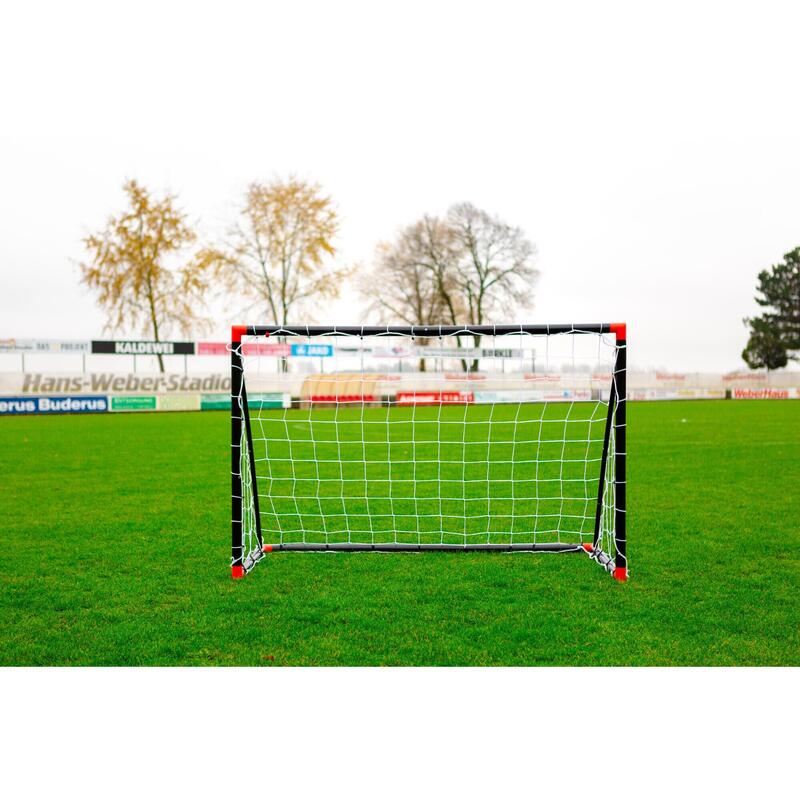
(498,438)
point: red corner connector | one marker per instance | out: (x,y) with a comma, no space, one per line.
(237,572)
(267,548)
(587,547)
(621,574)
(237,331)
(619,330)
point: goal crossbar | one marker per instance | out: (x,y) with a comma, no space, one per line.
(422,331)
(245,476)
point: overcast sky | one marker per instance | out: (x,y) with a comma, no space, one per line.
(651,153)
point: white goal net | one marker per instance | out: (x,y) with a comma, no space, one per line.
(500,438)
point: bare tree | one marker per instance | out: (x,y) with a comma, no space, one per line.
(410,279)
(494,274)
(466,268)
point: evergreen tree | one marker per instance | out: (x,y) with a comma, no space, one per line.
(775,335)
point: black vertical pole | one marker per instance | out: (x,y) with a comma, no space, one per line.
(601,489)
(237,510)
(620,454)
(251,462)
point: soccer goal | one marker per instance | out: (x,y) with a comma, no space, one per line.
(501,438)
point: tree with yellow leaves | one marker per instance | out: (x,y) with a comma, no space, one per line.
(278,253)
(132,268)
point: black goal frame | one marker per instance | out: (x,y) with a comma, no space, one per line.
(616,418)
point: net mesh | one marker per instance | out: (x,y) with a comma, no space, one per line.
(450,440)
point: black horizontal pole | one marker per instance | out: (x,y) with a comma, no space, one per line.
(423,331)
(394,547)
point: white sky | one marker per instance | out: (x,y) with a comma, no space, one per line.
(651,153)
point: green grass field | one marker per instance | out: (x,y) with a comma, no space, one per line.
(115,550)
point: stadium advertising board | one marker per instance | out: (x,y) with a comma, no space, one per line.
(377,352)
(670,377)
(18,405)
(532,396)
(128,347)
(316,350)
(270,400)
(215,402)
(133,403)
(510,396)
(467,352)
(179,402)
(222,402)
(248,349)
(541,377)
(340,399)
(63,404)
(392,352)
(672,394)
(260,349)
(62,346)
(635,394)
(212,349)
(434,398)
(701,394)
(734,378)
(749,393)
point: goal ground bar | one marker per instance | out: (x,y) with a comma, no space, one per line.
(393,547)
(602,558)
